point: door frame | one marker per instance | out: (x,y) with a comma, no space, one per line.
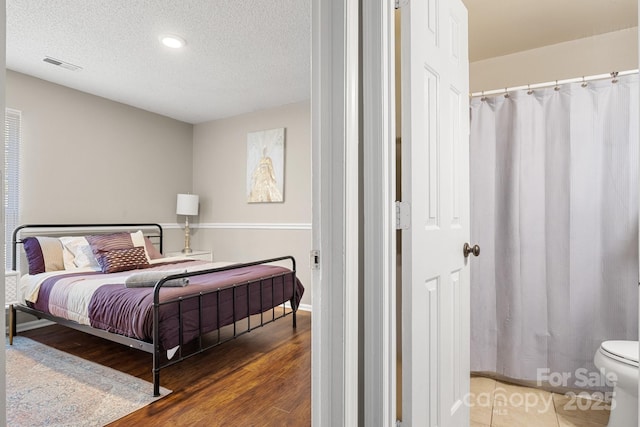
(352,250)
(3,356)
(379,230)
(351,358)
(335,184)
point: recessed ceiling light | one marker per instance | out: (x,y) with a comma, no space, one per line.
(174,42)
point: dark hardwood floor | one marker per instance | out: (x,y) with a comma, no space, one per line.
(260,379)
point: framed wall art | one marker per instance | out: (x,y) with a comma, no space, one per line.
(265,166)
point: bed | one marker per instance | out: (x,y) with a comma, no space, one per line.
(111,281)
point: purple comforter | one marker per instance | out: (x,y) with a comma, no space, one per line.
(129,311)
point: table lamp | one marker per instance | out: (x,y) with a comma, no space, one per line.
(187,205)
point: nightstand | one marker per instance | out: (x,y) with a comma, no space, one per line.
(196,254)
(11,279)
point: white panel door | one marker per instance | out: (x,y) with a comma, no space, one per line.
(435,182)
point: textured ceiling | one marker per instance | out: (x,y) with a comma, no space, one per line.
(242,55)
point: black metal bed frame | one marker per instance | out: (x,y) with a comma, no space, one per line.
(160,362)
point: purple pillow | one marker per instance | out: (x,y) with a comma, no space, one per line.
(108,242)
(115,252)
(43,254)
(151,249)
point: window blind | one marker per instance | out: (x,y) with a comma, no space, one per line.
(12,134)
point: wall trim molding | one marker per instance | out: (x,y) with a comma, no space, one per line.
(255,225)
(172,225)
(242,226)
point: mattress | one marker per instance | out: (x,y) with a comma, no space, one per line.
(208,302)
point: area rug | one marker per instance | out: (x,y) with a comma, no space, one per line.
(47,387)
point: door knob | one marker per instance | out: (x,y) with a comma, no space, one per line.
(467,249)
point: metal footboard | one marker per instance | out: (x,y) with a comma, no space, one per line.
(200,343)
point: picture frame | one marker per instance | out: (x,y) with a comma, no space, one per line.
(265,166)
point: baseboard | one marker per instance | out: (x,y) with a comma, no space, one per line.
(34,324)
(305,307)
(301,307)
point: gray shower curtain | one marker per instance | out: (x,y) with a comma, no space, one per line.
(554,207)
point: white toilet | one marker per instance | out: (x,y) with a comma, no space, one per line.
(619,361)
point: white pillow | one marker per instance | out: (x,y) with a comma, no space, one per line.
(138,240)
(77,253)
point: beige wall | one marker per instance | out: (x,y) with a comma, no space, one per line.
(88,159)
(615,51)
(245,245)
(219,177)
(220,165)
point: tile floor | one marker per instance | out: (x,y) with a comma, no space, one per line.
(497,404)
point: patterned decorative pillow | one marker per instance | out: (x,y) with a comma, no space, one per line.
(43,254)
(123,259)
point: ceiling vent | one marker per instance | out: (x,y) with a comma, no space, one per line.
(61,64)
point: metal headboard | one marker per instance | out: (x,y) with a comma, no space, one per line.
(53,229)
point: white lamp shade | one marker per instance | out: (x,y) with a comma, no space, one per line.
(187,204)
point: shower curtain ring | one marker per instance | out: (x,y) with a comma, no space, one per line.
(584,82)
(530,91)
(506,93)
(614,74)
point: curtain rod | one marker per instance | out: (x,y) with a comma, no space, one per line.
(613,75)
